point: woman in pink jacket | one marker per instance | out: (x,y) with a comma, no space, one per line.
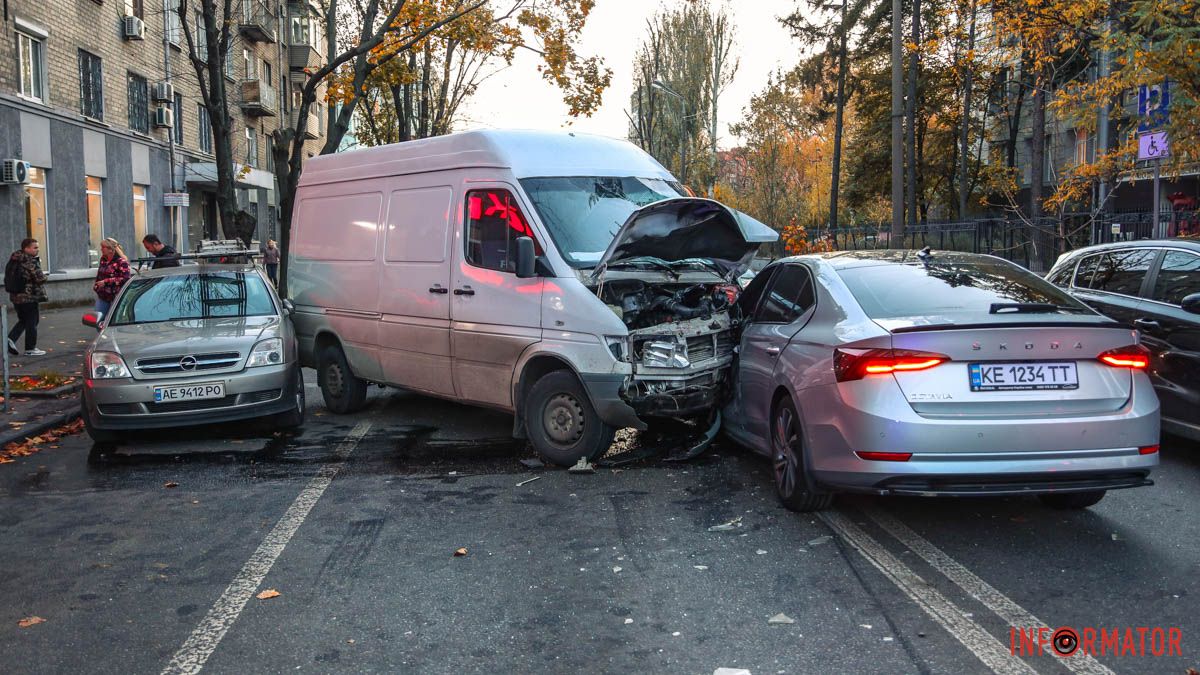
(112,275)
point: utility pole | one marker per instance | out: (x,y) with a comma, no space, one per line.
(176,229)
(910,144)
(837,123)
(897,233)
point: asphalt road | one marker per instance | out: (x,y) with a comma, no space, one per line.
(149,560)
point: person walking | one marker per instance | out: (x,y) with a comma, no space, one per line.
(271,261)
(167,256)
(112,275)
(25,282)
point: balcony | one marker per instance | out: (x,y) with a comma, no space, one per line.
(303,56)
(258,23)
(312,130)
(259,99)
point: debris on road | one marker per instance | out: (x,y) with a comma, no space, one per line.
(532,463)
(761,552)
(170,484)
(582,466)
(530,480)
(701,567)
(727,527)
(30,621)
(616,569)
(781,619)
(460,552)
(268,594)
(628,621)
(823,539)
(731,671)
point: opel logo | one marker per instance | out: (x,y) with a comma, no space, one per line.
(188,363)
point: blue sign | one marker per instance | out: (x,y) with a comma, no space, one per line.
(1154,104)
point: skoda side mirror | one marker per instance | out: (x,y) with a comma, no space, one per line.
(288,307)
(1191,303)
(526,258)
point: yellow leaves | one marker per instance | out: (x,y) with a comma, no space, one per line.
(30,621)
(268,594)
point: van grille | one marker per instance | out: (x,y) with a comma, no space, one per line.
(173,364)
(704,347)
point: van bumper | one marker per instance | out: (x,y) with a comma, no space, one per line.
(605,391)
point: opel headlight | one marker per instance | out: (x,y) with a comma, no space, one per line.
(661,354)
(107,366)
(266,353)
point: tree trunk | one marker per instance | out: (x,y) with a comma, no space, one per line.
(897,231)
(838,123)
(910,144)
(964,190)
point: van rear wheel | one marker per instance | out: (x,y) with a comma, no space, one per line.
(561,422)
(343,391)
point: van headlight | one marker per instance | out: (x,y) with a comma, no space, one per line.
(663,354)
(107,366)
(266,353)
(618,345)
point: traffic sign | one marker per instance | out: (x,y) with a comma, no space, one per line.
(1154,105)
(1153,145)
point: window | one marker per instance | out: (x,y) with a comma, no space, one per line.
(193,296)
(135,8)
(139,214)
(790,296)
(251,147)
(494,221)
(178,119)
(1086,270)
(198,36)
(1081,146)
(267,74)
(95,218)
(249,64)
(204,130)
(171,21)
(139,104)
(1178,278)
(229,60)
(91,86)
(301,31)
(1048,159)
(32,55)
(1062,276)
(1122,272)
(35,210)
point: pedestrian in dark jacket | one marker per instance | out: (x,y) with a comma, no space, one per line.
(167,256)
(271,261)
(112,275)
(26,297)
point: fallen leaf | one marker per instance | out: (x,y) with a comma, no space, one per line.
(170,484)
(268,594)
(30,621)
(780,619)
(460,552)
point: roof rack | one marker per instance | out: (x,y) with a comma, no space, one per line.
(198,256)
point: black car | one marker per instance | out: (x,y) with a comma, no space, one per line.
(1153,287)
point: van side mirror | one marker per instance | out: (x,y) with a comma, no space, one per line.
(1191,303)
(526,258)
(92,319)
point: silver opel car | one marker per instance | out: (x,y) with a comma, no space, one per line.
(906,373)
(195,344)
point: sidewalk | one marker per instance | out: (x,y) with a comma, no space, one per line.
(64,337)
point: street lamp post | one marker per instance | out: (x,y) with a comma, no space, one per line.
(662,86)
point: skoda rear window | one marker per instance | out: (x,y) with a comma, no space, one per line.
(182,297)
(891,291)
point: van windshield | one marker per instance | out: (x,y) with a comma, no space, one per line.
(583,213)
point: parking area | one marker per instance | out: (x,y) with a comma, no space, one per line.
(152,558)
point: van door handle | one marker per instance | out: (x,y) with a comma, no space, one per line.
(464,291)
(773,351)
(439,290)
(1148,325)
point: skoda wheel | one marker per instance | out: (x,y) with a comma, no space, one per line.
(561,422)
(344,392)
(787,460)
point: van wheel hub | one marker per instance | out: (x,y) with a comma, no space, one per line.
(563,419)
(333,379)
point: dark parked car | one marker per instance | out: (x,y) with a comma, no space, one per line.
(1153,287)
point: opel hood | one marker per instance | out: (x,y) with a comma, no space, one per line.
(187,336)
(689,228)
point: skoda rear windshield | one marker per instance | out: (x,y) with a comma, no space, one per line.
(956,289)
(583,213)
(181,297)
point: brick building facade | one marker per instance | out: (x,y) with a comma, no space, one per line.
(78,90)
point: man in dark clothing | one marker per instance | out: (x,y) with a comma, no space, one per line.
(167,256)
(26,296)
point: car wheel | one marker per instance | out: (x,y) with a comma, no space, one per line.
(561,422)
(97,435)
(295,417)
(1072,500)
(344,392)
(787,459)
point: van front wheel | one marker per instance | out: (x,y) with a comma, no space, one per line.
(561,422)
(344,392)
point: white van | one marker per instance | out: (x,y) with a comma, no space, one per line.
(562,277)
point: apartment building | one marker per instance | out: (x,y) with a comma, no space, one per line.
(83,100)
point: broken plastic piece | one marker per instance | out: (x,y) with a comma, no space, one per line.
(582,466)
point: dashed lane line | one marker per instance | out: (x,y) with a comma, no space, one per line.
(200,645)
(949,616)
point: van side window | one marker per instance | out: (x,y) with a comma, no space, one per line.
(494,221)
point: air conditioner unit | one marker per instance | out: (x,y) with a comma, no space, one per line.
(14,172)
(164,91)
(164,117)
(133,28)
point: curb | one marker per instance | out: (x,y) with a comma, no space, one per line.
(40,427)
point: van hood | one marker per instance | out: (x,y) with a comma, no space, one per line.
(689,228)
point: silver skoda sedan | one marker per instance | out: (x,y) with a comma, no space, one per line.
(190,345)
(906,373)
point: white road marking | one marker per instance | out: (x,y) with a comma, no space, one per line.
(200,645)
(1010,611)
(949,616)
